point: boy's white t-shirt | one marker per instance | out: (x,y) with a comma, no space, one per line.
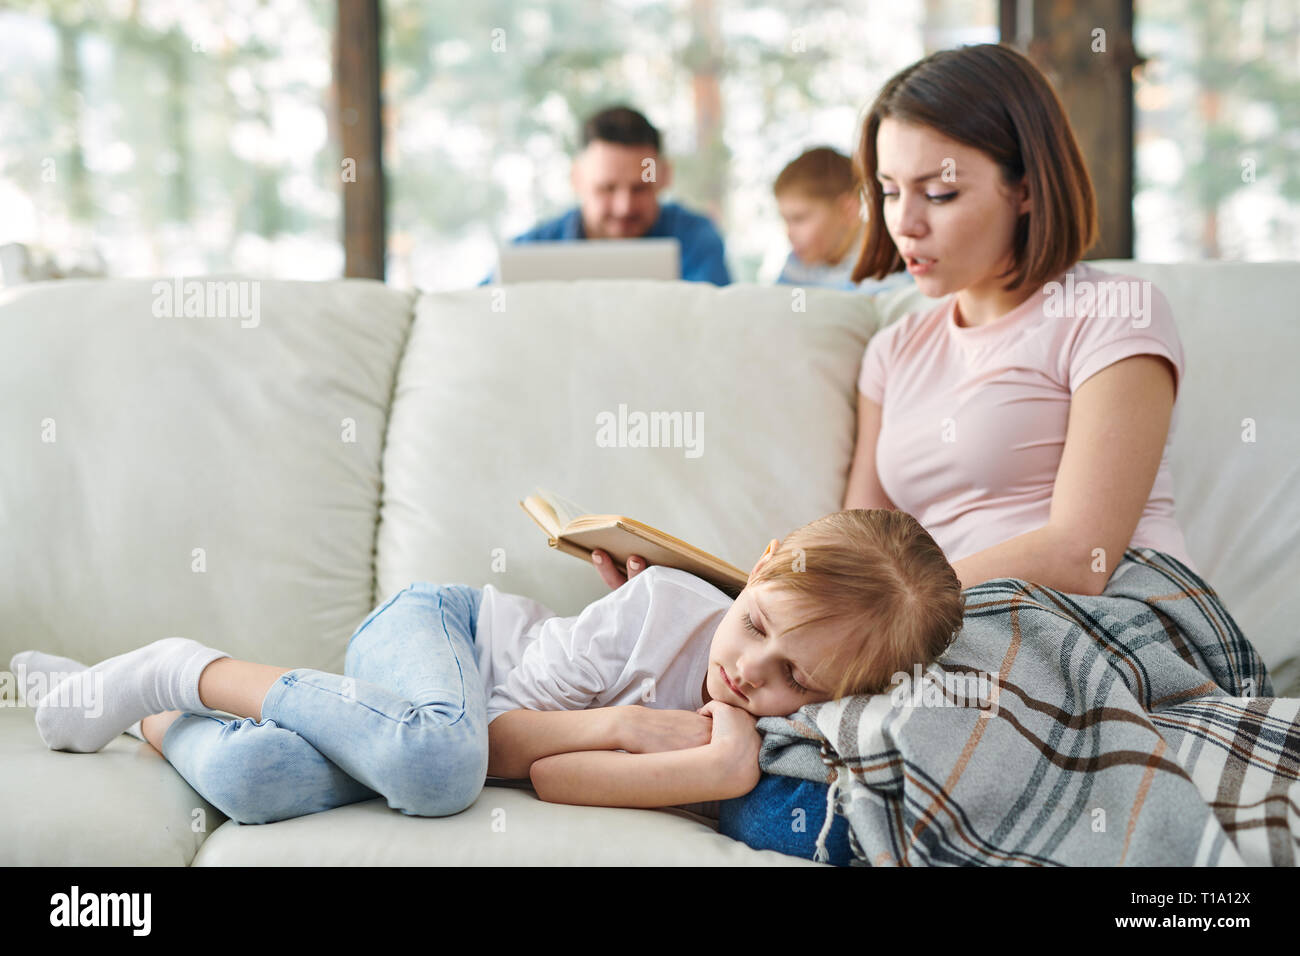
(646,642)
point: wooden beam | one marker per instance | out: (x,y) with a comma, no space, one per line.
(1086,51)
(358,117)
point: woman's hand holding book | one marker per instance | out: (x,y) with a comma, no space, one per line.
(609,572)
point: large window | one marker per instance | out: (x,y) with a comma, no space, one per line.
(484,101)
(1217,130)
(155,137)
(167,136)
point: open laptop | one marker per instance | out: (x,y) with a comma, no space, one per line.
(589,259)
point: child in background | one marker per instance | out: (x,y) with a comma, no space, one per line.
(817,197)
(445,685)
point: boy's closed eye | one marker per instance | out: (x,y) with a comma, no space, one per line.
(790,670)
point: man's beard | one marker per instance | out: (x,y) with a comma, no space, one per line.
(624,230)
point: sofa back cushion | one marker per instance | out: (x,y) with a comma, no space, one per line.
(205,476)
(503,390)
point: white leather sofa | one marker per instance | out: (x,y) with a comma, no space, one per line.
(261,485)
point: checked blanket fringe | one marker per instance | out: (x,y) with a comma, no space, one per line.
(1133,728)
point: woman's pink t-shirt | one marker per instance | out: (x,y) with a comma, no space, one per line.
(973,419)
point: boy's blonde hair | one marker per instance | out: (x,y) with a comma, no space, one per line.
(820,173)
(880,570)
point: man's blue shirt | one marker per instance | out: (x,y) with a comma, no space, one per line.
(703,259)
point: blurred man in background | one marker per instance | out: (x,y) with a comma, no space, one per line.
(617,177)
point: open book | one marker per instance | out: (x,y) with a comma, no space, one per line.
(570,529)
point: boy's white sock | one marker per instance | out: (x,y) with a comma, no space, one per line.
(52,669)
(88,709)
(37,673)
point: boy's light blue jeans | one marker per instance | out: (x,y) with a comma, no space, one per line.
(406,721)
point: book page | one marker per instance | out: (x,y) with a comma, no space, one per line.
(565,510)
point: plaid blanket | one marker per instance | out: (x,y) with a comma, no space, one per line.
(1136,727)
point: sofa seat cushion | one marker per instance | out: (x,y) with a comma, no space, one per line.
(506,826)
(122,806)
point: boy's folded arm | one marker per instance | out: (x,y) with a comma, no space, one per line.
(665,779)
(517,738)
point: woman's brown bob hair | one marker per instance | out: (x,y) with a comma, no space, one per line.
(992,98)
